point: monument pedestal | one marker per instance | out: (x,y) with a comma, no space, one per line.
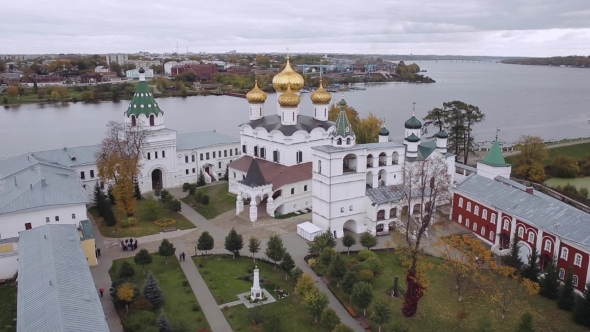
(255,291)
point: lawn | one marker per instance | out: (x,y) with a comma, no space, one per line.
(578,182)
(220,201)
(179,299)
(219,273)
(439,307)
(144,225)
(576,151)
(7,308)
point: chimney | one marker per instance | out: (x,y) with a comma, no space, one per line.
(31,186)
(43,183)
(530,190)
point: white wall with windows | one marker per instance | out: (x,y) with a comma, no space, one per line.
(12,223)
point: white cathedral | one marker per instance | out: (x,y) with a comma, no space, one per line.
(294,162)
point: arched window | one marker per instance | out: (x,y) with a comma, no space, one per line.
(460,202)
(531,237)
(393,213)
(381,215)
(520,231)
(492,235)
(305,188)
(149,156)
(163,154)
(193,158)
(292,191)
(564,253)
(483,231)
(575,280)
(186,159)
(484,214)
(348,141)
(506,224)
(320,166)
(578,260)
(493,218)
(561,273)
(469,206)
(339,141)
(133,121)
(467,222)
(156,154)
(460,219)
(350,208)
(475,227)
(547,245)
(476,210)
(342,209)
(152,120)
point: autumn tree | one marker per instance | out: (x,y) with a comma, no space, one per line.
(510,289)
(305,284)
(126,293)
(381,313)
(275,249)
(254,247)
(365,129)
(348,241)
(119,161)
(530,160)
(426,183)
(205,242)
(458,119)
(342,328)
(460,254)
(12,92)
(315,302)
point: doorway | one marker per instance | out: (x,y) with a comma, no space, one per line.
(157,179)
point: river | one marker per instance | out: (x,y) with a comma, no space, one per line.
(553,103)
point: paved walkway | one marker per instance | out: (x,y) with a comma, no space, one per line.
(206,300)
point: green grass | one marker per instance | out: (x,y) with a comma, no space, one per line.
(439,307)
(220,201)
(143,227)
(576,151)
(219,273)
(578,182)
(179,299)
(7,308)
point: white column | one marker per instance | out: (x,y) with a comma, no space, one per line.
(255,291)
(239,204)
(556,248)
(253,210)
(539,242)
(498,227)
(270,205)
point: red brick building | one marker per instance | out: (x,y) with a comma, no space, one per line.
(204,72)
(496,209)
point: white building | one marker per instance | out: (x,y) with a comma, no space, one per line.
(145,63)
(134,73)
(101,69)
(168,67)
(294,162)
(118,58)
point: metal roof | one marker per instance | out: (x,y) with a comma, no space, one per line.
(304,122)
(343,126)
(368,146)
(56,292)
(27,183)
(546,212)
(189,141)
(86,229)
(494,156)
(143,101)
(75,156)
(386,194)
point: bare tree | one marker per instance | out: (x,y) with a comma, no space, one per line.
(119,161)
(428,183)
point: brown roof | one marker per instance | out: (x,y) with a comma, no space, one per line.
(277,174)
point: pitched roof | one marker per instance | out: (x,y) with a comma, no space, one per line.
(254,177)
(72,156)
(27,182)
(548,213)
(277,174)
(196,140)
(143,101)
(368,146)
(494,156)
(304,122)
(343,127)
(386,194)
(56,291)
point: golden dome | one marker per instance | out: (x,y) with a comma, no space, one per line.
(289,98)
(256,95)
(321,96)
(288,77)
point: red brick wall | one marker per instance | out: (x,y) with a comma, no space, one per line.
(551,238)
(577,270)
(528,229)
(473,218)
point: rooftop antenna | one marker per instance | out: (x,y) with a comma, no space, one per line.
(176,47)
(414,109)
(497,131)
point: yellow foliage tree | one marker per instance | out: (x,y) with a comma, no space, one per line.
(305,285)
(365,129)
(54,95)
(12,91)
(125,195)
(126,293)
(511,290)
(531,158)
(463,255)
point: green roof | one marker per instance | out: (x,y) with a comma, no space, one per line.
(343,127)
(413,123)
(413,138)
(495,157)
(383,132)
(442,134)
(143,102)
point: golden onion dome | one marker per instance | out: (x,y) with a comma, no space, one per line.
(321,96)
(288,77)
(256,96)
(289,98)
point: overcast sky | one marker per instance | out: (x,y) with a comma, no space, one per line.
(461,27)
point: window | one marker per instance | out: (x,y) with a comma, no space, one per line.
(475,227)
(484,214)
(483,231)
(564,253)
(133,121)
(56,218)
(493,218)
(149,156)
(275,156)
(575,280)
(561,273)
(186,171)
(492,235)
(207,155)
(234,175)
(305,188)
(92,174)
(460,202)
(262,153)
(193,157)
(547,245)
(219,163)
(152,120)
(467,222)
(73,216)
(578,260)
(339,141)
(200,156)
(102,185)
(299,156)
(476,210)
(506,224)
(244,148)
(531,237)
(163,154)
(225,153)
(292,191)
(47,219)
(82,175)
(231,152)
(256,151)
(156,155)
(236,151)
(320,166)
(469,206)
(520,232)
(460,219)
(28,226)
(213,154)
(350,208)
(341,209)
(186,159)
(380,228)
(194,170)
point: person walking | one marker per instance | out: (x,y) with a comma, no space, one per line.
(123,245)
(101,291)
(183,256)
(135,245)
(97,252)
(180,257)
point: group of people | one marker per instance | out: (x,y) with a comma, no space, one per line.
(129,245)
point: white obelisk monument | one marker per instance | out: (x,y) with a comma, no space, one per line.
(255,291)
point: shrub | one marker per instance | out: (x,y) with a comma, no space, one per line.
(141,303)
(185,283)
(198,195)
(366,254)
(127,270)
(165,222)
(366,275)
(373,264)
(185,187)
(125,223)
(351,311)
(138,320)
(196,307)
(311,262)
(191,191)
(356,267)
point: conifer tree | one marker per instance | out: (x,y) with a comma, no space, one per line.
(205,242)
(108,215)
(565,301)
(136,190)
(582,308)
(166,249)
(514,259)
(163,323)
(226,175)
(234,242)
(152,291)
(337,269)
(287,264)
(526,323)
(111,195)
(532,270)
(201,179)
(275,249)
(549,285)
(99,199)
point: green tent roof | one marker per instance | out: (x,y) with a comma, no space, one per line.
(343,127)
(413,123)
(495,157)
(413,138)
(143,102)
